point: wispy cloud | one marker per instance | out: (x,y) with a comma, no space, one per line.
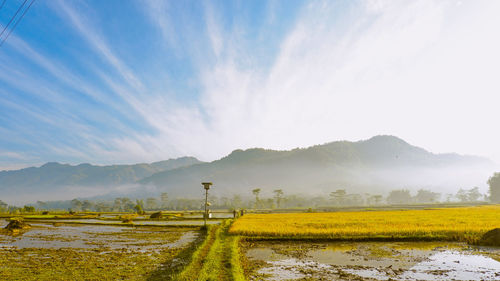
(403,68)
(422,70)
(97,42)
(160,13)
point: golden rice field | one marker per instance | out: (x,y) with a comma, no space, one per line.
(456,224)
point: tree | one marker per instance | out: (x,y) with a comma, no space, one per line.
(41,205)
(151,203)
(164,200)
(449,196)
(87,205)
(29,209)
(269,203)
(236,202)
(494,183)
(225,202)
(353,200)
(427,196)
(278,194)
(76,204)
(401,196)
(375,200)
(462,195)
(338,196)
(117,205)
(257,200)
(128,205)
(139,206)
(102,207)
(473,194)
(3,206)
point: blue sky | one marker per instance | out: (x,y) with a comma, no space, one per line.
(141,81)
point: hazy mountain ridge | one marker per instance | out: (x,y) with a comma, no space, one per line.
(378,164)
(54,174)
(341,164)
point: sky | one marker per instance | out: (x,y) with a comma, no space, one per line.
(120,81)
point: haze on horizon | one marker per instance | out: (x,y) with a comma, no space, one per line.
(109,82)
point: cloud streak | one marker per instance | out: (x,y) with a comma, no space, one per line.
(422,70)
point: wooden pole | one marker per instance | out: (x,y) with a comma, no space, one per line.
(206,186)
(206,201)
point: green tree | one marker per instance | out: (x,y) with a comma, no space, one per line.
(76,204)
(427,196)
(3,206)
(270,203)
(278,195)
(494,183)
(338,196)
(473,194)
(257,200)
(41,205)
(462,195)
(164,200)
(401,196)
(102,207)
(139,206)
(87,205)
(236,202)
(28,209)
(128,205)
(375,200)
(117,205)
(151,203)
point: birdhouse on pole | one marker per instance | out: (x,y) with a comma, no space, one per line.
(206,186)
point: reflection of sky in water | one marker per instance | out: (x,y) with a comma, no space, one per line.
(135,222)
(457,265)
(94,236)
(439,263)
(446,265)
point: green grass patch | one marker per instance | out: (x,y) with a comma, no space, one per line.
(218,258)
(191,271)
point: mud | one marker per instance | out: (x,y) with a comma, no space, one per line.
(370,261)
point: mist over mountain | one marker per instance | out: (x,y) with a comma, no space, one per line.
(376,165)
(379,164)
(63,180)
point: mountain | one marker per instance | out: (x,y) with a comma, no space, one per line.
(374,165)
(58,177)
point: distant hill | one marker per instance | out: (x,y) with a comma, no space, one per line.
(374,165)
(53,175)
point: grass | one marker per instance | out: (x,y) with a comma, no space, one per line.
(199,255)
(218,258)
(449,224)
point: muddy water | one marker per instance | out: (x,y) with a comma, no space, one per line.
(50,236)
(135,222)
(371,261)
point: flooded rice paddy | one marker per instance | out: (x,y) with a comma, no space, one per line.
(138,222)
(60,251)
(59,235)
(371,261)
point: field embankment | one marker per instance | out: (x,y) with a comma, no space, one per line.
(217,258)
(448,224)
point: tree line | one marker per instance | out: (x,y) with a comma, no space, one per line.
(255,200)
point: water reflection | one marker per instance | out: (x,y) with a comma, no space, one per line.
(374,261)
(96,236)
